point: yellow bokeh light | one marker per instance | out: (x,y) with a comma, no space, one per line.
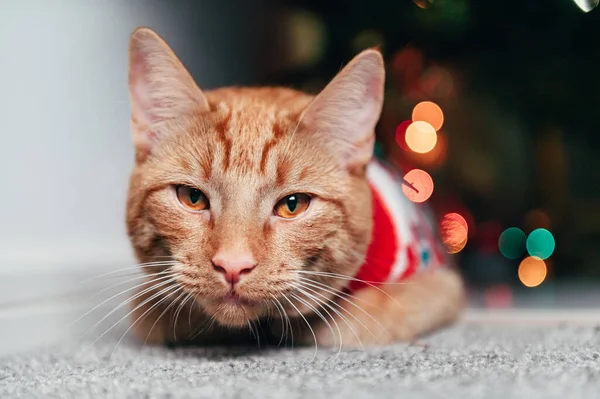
(433,159)
(421,137)
(429,112)
(532,271)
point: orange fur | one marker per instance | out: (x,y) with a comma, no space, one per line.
(246,148)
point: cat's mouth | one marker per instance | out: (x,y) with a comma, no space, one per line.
(232,298)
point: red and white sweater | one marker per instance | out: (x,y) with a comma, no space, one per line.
(405,237)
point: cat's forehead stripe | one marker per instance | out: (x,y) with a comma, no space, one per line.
(245,154)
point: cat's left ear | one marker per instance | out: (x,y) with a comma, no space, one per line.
(160,88)
(345,113)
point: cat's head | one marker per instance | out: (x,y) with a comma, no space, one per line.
(258,195)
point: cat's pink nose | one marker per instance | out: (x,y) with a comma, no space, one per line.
(233,265)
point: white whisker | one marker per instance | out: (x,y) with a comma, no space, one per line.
(206,327)
(330,303)
(139,294)
(335,291)
(309,326)
(160,316)
(116,295)
(128,281)
(343,277)
(326,289)
(321,303)
(178,311)
(315,311)
(287,319)
(136,267)
(142,317)
(147,300)
(283,325)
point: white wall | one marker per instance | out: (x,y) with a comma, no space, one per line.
(65,153)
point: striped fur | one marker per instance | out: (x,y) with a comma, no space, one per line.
(246,148)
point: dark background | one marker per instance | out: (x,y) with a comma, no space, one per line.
(518,84)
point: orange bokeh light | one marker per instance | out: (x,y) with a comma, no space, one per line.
(532,271)
(429,112)
(454,232)
(422,183)
(421,137)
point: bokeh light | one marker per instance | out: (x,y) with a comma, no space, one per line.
(421,137)
(535,219)
(307,35)
(585,5)
(401,135)
(512,243)
(422,3)
(433,159)
(422,185)
(454,232)
(540,243)
(532,271)
(450,203)
(430,112)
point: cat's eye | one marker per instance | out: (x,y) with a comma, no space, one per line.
(291,206)
(192,198)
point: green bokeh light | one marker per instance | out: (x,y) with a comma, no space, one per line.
(512,243)
(540,243)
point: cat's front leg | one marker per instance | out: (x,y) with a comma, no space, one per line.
(393,312)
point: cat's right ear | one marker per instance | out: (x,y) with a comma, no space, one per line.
(345,113)
(160,89)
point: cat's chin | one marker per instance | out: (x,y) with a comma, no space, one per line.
(233,311)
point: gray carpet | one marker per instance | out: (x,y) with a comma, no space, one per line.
(467,361)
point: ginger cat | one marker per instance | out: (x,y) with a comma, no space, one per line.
(261,208)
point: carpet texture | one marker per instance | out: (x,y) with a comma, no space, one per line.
(467,361)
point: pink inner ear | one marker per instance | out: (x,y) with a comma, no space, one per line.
(366,115)
(373,89)
(140,91)
(348,109)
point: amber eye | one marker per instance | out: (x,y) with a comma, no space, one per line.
(292,205)
(192,198)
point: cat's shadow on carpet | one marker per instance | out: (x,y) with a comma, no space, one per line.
(231,346)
